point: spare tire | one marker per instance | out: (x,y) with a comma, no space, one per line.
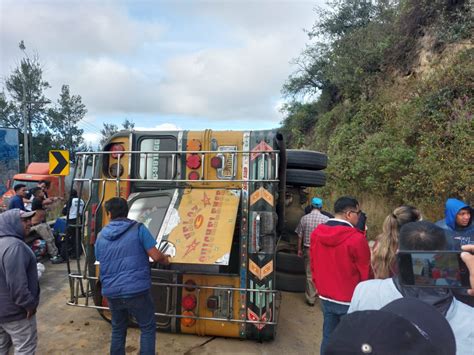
(289,262)
(308,178)
(306,159)
(290,282)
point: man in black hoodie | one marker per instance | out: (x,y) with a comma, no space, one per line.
(19,288)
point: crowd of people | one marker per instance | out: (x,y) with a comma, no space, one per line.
(123,249)
(366,309)
(359,287)
(38,200)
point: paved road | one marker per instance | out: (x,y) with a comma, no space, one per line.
(71,330)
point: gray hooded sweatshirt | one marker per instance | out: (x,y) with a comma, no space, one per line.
(19,288)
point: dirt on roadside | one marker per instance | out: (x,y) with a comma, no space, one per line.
(65,329)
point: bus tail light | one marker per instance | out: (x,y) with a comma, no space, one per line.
(188,322)
(190,286)
(213,303)
(193,175)
(216,162)
(117,148)
(115,169)
(189,302)
(194,145)
(193,161)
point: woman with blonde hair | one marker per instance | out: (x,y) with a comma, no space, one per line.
(386,244)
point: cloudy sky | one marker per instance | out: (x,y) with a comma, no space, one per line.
(189,64)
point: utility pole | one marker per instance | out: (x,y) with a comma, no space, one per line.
(26,118)
(26,146)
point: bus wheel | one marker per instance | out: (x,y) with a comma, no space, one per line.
(101,301)
(308,178)
(290,282)
(306,159)
(289,262)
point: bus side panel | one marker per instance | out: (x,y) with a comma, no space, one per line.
(210,303)
(262,237)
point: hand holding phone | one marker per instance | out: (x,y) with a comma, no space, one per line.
(437,268)
(468,258)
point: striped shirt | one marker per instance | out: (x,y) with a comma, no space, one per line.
(308,223)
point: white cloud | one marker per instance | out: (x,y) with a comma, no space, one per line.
(92,138)
(224,60)
(160,127)
(73,27)
(109,86)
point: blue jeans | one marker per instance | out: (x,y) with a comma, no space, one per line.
(332,313)
(142,308)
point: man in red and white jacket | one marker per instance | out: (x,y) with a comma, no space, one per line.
(340,259)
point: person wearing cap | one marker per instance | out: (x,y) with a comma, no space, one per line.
(375,294)
(306,226)
(405,326)
(19,288)
(457,224)
(17,200)
(340,259)
(309,208)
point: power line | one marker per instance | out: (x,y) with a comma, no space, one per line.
(89,126)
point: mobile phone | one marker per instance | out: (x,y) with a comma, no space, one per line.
(437,268)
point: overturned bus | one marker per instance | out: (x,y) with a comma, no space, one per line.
(215,201)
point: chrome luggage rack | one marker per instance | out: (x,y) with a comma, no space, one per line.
(83,286)
(272,297)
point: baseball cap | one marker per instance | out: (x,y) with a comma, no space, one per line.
(27,214)
(317,202)
(404,326)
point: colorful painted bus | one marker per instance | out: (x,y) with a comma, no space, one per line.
(215,202)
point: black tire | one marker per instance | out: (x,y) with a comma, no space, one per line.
(308,178)
(290,282)
(100,301)
(306,159)
(289,262)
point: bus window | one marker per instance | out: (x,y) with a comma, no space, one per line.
(157,166)
(150,209)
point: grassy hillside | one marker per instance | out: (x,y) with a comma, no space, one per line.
(392,88)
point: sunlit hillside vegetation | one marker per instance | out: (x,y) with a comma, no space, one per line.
(385,88)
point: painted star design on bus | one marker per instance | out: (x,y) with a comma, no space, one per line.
(191,247)
(206,200)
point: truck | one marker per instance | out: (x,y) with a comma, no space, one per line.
(34,174)
(215,201)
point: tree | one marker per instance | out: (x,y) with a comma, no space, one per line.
(128,124)
(110,129)
(64,119)
(49,127)
(25,86)
(350,40)
(9,115)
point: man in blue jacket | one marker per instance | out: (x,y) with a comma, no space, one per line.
(459,230)
(457,224)
(19,289)
(17,200)
(122,248)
